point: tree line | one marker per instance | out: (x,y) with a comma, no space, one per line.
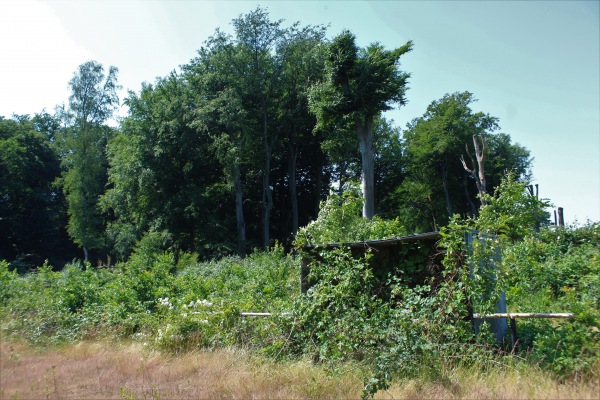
(237,150)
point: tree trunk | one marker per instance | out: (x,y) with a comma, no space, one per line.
(480,154)
(318,183)
(292,161)
(239,210)
(342,178)
(85,254)
(267,195)
(469,201)
(477,172)
(444,169)
(365,136)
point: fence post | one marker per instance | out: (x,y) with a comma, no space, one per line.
(304,270)
(497,326)
(513,333)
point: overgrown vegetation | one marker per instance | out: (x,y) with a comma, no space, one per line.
(389,328)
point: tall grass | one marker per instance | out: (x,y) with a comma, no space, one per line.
(128,370)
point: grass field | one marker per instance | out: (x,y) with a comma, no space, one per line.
(109,370)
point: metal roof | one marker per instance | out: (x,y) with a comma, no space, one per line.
(428,236)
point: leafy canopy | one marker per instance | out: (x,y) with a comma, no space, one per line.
(340,221)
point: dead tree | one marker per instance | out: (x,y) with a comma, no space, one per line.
(477,171)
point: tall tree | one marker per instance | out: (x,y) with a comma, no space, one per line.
(301,58)
(437,184)
(30,206)
(92,102)
(436,141)
(164,177)
(225,120)
(219,92)
(257,38)
(361,83)
(389,164)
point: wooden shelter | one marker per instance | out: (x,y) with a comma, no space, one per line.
(417,256)
(387,253)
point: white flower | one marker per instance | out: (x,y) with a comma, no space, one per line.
(204,303)
(199,303)
(164,302)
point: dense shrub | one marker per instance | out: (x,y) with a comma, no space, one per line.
(558,270)
(168,301)
(340,221)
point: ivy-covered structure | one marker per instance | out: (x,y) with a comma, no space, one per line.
(416,257)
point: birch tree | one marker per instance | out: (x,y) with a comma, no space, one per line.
(92,102)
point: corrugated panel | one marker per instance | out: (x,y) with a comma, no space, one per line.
(428,236)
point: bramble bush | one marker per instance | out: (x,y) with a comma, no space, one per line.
(413,328)
(164,300)
(425,329)
(558,270)
(340,221)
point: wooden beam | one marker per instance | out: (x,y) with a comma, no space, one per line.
(522,315)
(255,314)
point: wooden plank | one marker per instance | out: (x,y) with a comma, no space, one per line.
(255,314)
(522,315)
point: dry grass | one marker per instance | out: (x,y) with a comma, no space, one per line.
(507,383)
(107,371)
(130,371)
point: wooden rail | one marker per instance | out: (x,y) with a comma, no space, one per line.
(522,315)
(261,314)
(513,324)
(510,316)
(255,314)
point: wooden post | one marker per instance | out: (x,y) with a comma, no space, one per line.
(304,270)
(561,218)
(513,334)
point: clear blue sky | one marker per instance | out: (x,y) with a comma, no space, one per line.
(534,65)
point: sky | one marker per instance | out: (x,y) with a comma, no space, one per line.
(535,65)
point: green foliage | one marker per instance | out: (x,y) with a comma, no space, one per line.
(362,81)
(339,317)
(8,281)
(163,176)
(416,327)
(340,221)
(166,301)
(31,211)
(243,115)
(511,211)
(558,270)
(92,102)
(360,84)
(437,185)
(554,270)
(385,323)
(570,349)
